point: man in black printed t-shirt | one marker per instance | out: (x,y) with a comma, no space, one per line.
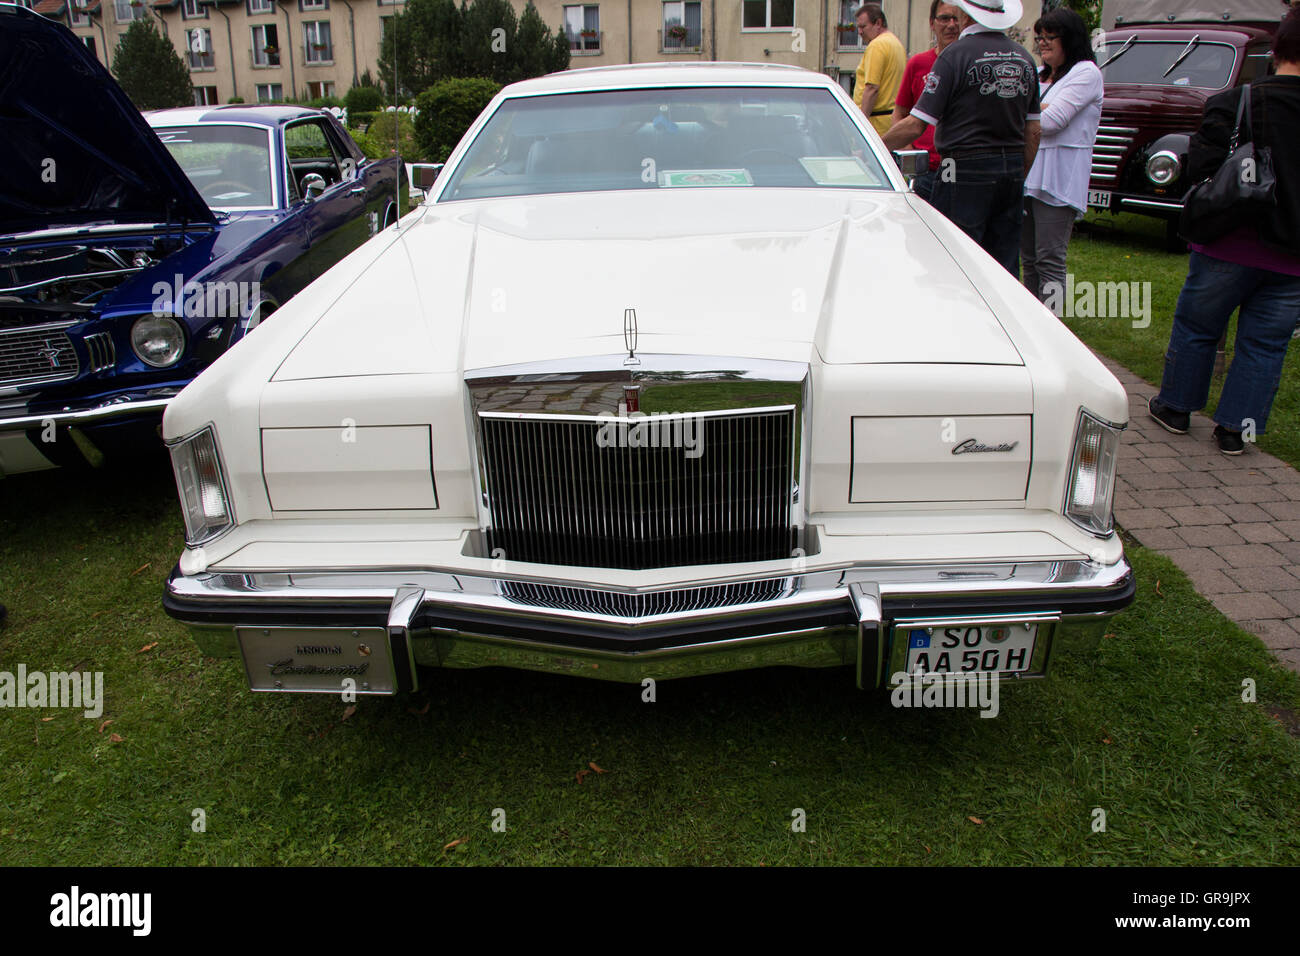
(982,98)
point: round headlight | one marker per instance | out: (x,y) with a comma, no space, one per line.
(1163,168)
(158,340)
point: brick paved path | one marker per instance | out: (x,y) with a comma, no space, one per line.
(1232,524)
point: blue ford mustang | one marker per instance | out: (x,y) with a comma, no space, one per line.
(134,250)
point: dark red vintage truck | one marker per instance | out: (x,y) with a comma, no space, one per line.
(1162,59)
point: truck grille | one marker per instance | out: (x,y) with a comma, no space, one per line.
(1110,151)
(556,496)
(620,604)
(36,354)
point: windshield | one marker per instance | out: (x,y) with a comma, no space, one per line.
(666,139)
(1207,66)
(230,166)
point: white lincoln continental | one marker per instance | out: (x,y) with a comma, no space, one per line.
(670,374)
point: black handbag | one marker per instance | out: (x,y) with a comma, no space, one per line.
(1234,195)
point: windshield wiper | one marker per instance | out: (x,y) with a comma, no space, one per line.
(1191,45)
(1122,50)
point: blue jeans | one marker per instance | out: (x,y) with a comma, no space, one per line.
(1270,305)
(986,200)
(923,185)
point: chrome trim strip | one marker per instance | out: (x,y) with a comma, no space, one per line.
(86,416)
(1151,204)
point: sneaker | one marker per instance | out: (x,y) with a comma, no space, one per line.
(1167,418)
(1229,442)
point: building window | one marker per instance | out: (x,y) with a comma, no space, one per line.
(256,7)
(316,40)
(205,96)
(313,4)
(269,92)
(90,45)
(77,10)
(582,24)
(846,32)
(768,14)
(682,27)
(198,43)
(128,10)
(266,45)
(193,10)
(318,90)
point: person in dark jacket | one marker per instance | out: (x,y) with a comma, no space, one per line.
(1255,267)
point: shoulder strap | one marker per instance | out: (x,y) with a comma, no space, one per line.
(1243,118)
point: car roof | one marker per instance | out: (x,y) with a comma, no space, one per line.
(632,75)
(262,115)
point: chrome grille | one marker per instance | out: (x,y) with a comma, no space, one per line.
(619,604)
(555,496)
(1109,152)
(102,351)
(36,354)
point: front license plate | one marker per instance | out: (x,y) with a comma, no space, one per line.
(1099,198)
(971,648)
(318,660)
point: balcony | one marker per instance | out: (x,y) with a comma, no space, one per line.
(676,38)
(586,43)
(259,59)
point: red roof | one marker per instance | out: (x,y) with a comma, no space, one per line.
(50,8)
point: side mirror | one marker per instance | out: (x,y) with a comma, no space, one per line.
(313,184)
(912,162)
(424,175)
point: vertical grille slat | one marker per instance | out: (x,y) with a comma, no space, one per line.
(556,497)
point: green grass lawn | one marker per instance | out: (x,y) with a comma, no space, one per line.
(1128,248)
(1151,728)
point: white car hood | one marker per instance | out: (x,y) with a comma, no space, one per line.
(855,277)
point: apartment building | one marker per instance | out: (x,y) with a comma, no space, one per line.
(262,50)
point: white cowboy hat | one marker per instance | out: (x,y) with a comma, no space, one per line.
(994,14)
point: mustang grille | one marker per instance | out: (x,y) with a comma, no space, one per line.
(558,497)
(40,354)
(620,604)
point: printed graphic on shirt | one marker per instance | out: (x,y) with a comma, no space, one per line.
(931,82)
(1002,73)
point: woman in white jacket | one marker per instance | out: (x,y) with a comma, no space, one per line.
(1056,187)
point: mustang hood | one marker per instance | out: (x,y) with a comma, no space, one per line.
(855,278)
(78,150)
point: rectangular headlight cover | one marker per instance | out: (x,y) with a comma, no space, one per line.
(1089,500)
(201,483)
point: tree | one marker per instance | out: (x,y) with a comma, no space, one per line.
(149,69)
(435,40)
(446,110)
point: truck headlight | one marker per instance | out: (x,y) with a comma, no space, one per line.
(201,483)
(1163,167)
(158,340)
(1090,495)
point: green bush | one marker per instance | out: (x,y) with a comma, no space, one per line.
(235,99)
(360,118)
(364,99)
(446,110)
(324,102)
(381,131)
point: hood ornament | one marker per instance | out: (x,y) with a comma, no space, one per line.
(629,336)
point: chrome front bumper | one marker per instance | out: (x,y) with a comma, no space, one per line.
(825,618)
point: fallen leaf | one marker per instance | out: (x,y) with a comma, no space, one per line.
(1105,740)
(148,647)
(139,569)
(592,765)
(98,614)
(975,820)
(1158,591)
(349,711)
(927,848)
(422,711)
(583,773)
(1108,635)
(115,738)
(105,724)
(457,842)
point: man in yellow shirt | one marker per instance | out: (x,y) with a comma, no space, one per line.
(881,68)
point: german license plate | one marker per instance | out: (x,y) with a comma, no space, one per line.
(1099,198)
(971,648)
(318,660)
